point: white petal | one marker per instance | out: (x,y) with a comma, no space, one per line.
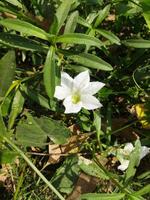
(82,80)
(70,107)
(90,102)
(66,80)
(93,88)
(124,165)
(61,92)
(144,151)
(128,148)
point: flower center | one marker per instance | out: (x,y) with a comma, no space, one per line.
(75,98)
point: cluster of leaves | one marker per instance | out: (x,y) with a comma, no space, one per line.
(39,39)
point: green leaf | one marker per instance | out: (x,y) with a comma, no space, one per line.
(109,35)
(71,22)
(83,22)
(25,28)
(91,61)
(132,197)
(55,130)
(49,72)
(2,126)
(137,43)
(34,131)
(143,191)
(20,42)
(102,15)
(101,196)
(66,176)
(79,38)
(16,108)
(93,169)
(61,15)
(7,71)
(15,3)
(134,162)
(36,97)
(146,11)
(7,156)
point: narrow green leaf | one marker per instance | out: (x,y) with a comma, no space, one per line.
(16,108)
(25,28)
(15,3)
(93,169)
(109,35)
(79,38)
(102,15)
(91,61)
(61,15)
(83,22)
(20,42)
(101,196)
(2,126)
(71,22)
(137,43)
(133,197)
(7,71)
(49,72)
(143,191)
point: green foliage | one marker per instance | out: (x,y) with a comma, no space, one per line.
(38,40)
(7,71)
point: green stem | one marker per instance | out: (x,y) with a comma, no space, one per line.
(124,127)
(111,177)
(33,167)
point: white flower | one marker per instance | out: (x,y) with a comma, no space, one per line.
(123,155)
(78,92)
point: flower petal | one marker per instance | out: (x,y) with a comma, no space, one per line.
(66,80)
(124,165)
(90,102)
(61,92)
(128,148)
(93,88)
(82,80)
(144,151)
(71,107)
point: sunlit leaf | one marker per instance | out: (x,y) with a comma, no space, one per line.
(91,61)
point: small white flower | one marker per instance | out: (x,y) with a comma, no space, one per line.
(78,93)
(123,155)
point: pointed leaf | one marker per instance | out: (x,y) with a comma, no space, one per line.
(16,108)
(20,42)
(102,15)
(109,35)
(61,15)
(71,22)
(25,28)
(101,196)
(49,72)
(7,71)
(137,43)
(79,38)
(91,61)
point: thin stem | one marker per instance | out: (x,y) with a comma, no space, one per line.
(33,167)
(124,127)
(111,177)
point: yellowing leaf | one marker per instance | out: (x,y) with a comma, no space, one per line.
(142,115)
